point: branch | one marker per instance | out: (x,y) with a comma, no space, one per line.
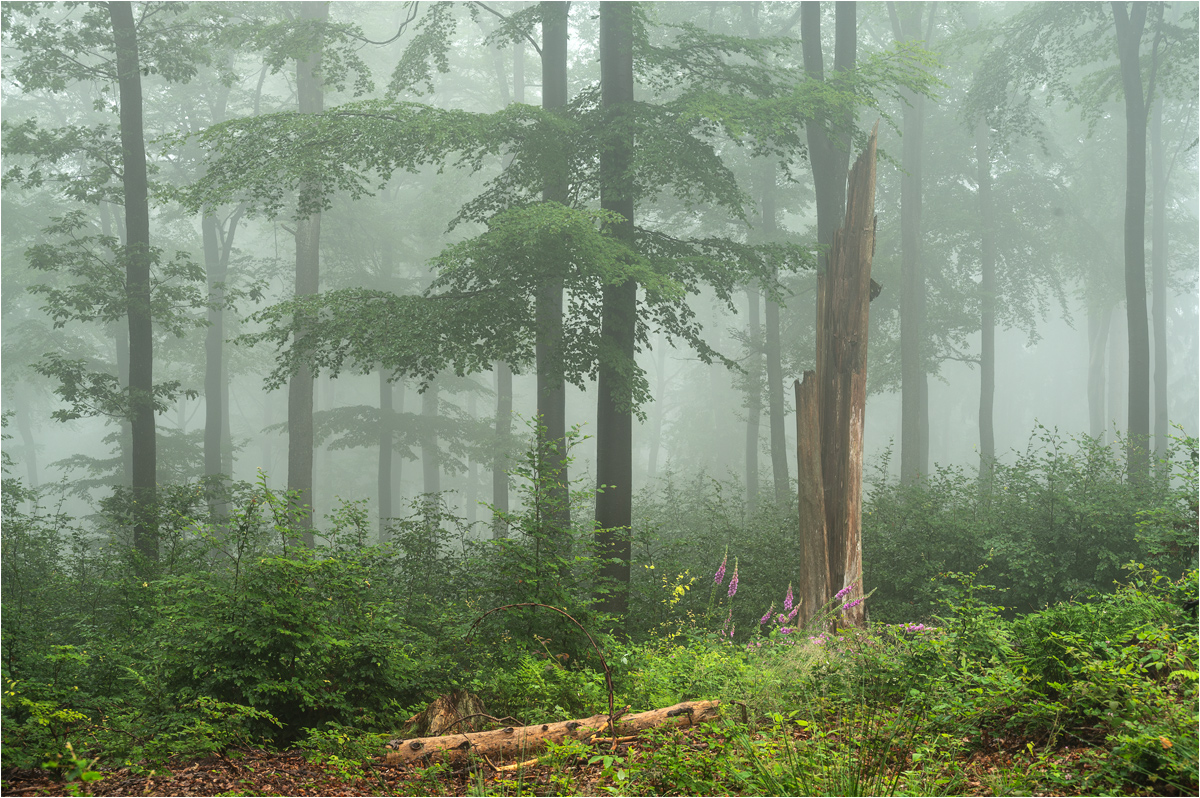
(528,38)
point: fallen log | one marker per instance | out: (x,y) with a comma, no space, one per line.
(522,740)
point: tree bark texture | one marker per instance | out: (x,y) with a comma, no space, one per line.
(120,334)
(777,407)
(522,741)
(548,310)
(311,99)
(137,281)
(614,401)
(1130,24)
(814,548)
(843,383)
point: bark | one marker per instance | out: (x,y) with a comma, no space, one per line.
(137,281)
(614,405)
(914,390)
(1130,23)
(472,509)
(987,304)
(503,445)
(548,310)
(753,397)
(1098,326)
(214,338)
(523,740)
(1158,280)
(311,100)
(843,381)
(814,551)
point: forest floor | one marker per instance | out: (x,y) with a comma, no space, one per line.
(258,772)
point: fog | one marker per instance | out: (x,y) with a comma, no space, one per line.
(1057,174)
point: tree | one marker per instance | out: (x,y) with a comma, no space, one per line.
(310,97)
(614,398)
(914,429)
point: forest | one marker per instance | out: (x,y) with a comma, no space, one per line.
(567,398)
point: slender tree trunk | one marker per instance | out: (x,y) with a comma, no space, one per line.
(551,388)
(777,408)
(1098,324)
(987,304)
(914,412)
(387,417)
(214,338)
(430,451)
(1130,23)
(660,411)
(472,468)
(614,403)
(25,428)
(311,100)
(1158,280)
(503,446)
(753,397)
(137,281)
(121,341)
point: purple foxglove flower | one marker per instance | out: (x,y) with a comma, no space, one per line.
(733,581)
(850,604)
(720,575)
(792,614)
(731,631)
(787,601)
(842,593)
(781,618)
(783,630)
(766,617)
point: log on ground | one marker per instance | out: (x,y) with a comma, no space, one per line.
(523,740)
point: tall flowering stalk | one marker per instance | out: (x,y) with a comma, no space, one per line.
(734,581)
(719,577)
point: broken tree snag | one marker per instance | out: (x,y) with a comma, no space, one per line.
(842,341)
(523,740)
(814,559)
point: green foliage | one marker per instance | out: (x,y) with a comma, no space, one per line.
(1057,523)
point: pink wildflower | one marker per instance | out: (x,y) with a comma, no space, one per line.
(720,575)
(787,601)
(733,582)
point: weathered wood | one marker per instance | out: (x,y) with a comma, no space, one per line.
(523,740)
(814,557)
(842,340)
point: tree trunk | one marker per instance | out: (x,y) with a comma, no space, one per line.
(311,99)
(137,281)
(383,485)
(660,409)
(1098,324)
(214,339)
(914,390)
(472,468)
(121,342)
(431,471)
(1130,23)
(774,352)
(1158,281)
(614,402)
(503,446)
(551,388)
(524,740)
(843,381)
(753,397)
(814,552)
(828,149)
(987,304)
